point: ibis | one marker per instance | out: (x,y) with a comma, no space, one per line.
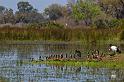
(114,49)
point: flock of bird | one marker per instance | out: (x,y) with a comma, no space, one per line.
(94,55)
(62,56)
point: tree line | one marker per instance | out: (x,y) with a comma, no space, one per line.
(93,13)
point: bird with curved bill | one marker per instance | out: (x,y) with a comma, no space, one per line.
(114,49)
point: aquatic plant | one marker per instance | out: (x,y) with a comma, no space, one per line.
(100,64)
(56,34)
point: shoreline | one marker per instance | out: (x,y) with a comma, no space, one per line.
(116,62)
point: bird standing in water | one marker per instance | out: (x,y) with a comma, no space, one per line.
(114,49)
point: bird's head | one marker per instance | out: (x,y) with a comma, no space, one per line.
(110,45)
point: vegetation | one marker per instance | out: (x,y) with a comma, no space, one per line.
(54,11)
(100,14)
(86,11)
(87,64)
(107,62)
(85,20)
(89,21)
(61,34)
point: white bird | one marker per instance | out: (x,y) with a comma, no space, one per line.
(114,48)
(113,75)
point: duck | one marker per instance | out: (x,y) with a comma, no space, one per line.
(114,49)
(78,53)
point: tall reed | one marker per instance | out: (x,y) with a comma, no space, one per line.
(56,34)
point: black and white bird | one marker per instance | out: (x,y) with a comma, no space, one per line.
(114,49)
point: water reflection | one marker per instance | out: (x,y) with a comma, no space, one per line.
(13,69)
(42,73)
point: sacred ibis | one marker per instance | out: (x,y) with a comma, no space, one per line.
(114,49)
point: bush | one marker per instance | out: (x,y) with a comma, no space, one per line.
(100,23)
(114,23)
(54,25)
(122,23)
(45,25)
(34,25)
(107,23)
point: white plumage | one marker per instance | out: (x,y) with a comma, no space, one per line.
(114,48)
(113,74)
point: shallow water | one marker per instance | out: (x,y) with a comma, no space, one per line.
(12,68)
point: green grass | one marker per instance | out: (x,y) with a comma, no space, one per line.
(96,64)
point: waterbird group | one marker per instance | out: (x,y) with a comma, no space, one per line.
(62,56)
(93,55)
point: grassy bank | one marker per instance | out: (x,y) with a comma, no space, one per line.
(100,64)
(88,64)
(107,62)
(50,34)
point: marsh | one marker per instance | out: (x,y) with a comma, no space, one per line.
(13,68)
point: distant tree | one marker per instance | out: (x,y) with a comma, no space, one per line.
(86,11)
(6,15)
(35,17)
(22,15)
(27,14)
(54,11)
(25,7)
(9,16)
(2,10)
(113,7)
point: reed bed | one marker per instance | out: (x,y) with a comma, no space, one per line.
(55,34)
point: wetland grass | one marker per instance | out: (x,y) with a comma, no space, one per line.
(105,63)
(56,34)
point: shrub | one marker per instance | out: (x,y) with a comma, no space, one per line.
(54,25)
(107,23)
(45,25)
(122,23)
(100,23)
(114,23)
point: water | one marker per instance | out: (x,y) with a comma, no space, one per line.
(12,68)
